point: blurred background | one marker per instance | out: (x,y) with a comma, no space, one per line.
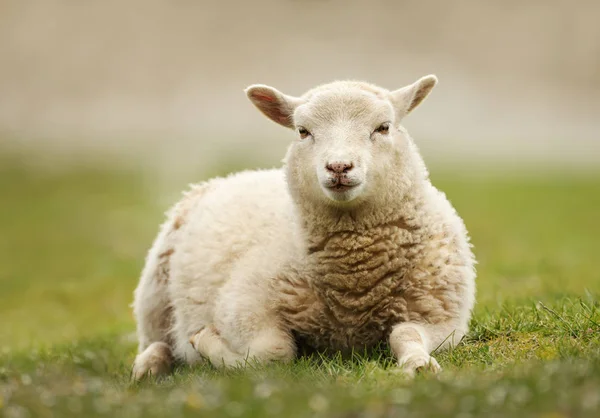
(109,108)
(161,82)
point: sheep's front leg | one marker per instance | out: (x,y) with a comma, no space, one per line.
(412,344)
(245,326)
(266,346)
(209,344)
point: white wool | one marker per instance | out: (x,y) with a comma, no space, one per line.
(347,245)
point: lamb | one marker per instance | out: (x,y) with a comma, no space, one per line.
(346,246)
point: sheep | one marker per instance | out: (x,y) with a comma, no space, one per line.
(347,245)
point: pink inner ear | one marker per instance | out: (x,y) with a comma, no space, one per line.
(262,97)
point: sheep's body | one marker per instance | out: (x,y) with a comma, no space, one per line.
(245,267)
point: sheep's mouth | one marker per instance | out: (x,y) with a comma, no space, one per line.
(342,193)
(341,187)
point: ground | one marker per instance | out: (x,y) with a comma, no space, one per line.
(72,244)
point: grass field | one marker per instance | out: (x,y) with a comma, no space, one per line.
(72,245)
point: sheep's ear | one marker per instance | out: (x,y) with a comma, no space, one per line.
(275,105)
(409,97)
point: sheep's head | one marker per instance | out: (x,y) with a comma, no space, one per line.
(349,139)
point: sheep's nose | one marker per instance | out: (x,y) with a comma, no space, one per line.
(339,167)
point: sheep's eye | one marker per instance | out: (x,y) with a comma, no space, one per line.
(384,128)
(303,132)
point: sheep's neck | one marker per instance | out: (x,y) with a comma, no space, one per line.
(358,260)
(357,252)
(320,224)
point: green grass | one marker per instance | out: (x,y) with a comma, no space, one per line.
(72,244)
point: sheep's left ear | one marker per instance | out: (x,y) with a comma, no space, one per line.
(409,97)
(274,104)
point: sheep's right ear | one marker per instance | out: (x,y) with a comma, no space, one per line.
(273,104)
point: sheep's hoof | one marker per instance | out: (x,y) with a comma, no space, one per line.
(418,364)
(156,360)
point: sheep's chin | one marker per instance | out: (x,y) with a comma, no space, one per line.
(344,196)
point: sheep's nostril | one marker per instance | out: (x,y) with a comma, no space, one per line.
(339,167)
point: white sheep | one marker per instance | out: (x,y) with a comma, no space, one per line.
(347,245)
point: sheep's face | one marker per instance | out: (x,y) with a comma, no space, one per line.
(348,137)
(340,135)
